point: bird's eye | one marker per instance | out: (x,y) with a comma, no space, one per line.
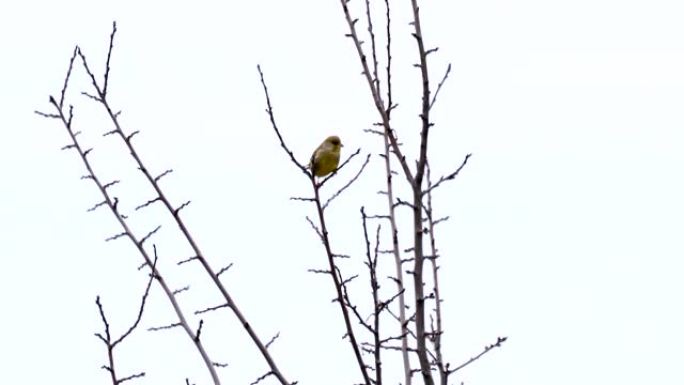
(335,142)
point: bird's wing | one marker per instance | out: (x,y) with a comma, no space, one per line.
(316,154)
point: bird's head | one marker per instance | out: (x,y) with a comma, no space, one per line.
(334,142)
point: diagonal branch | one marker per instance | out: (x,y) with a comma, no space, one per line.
(352,180)
(269,110)
(439,86)
(487,349)
(445,178)
(153,181)
(112,205)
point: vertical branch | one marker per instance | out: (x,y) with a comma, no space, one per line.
(414,181)
(437,332)
(112,204)
(372,264)
(377,98)
(425,100)
(417,203)
(421,349)
(389,60)
(399,272)
(107,339)
(369,21)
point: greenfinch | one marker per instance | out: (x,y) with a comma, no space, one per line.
(326,158)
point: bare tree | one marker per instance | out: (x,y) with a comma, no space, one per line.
(408,319)
(65,116)
(416,327)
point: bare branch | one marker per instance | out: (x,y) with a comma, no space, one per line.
(182,289)
(149,202)
(141,309)
(193,258)
(212,308)
(334,173)
(148,235)
(96,206)
(165,173)
(372,264)
(181,207)
(110,184)
(449,176)
(100,92)
(199,331)
(224,269)
(303,199)
(438,331)
(46,115)
(109,57)
(439,86)
(275,337)
(338,285)
(369,20)
(377,98)
(316,229)
(131,377)
(107,338)
(112,204)
(66,78)
(352,180)
(165,327)
(260,378)
(488,348)
(319,271)
(115,237)
(269,110)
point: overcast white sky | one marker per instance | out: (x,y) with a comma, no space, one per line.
(567,224)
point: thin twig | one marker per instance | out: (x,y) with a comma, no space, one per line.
(450,176)
(488,348)
(352,180)
(439,86)
(269,110)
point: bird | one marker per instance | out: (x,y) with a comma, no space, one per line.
(326,157)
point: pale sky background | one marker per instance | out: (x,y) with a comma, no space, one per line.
(567,225)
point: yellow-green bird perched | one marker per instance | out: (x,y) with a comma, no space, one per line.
(326,157)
